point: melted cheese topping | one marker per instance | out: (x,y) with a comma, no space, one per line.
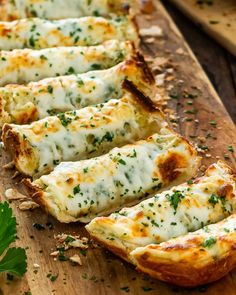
(59,9)
(24,65)
(25,103)
(39,33)
(81,134)
(172,213)
(82,190)
(208,238)
(193,259)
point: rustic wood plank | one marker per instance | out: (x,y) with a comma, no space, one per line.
(103,273)
(232,62)
(216,17)
(221,73)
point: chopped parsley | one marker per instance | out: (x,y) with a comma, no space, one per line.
(80,82)
(32,41)
(85,170)
(61,255)
(50,89)
(230,148)
(146,289)
(209,242)
(71,70)
(69,239)
(38,226)
(53,277)
(43,57)
(95,67)
(125,289)
(64,120)
(56,162)
(213,123)
(121,161)
(108,137)
(214,199)
(133,155)
(76,189)
(153,222)
(175,199)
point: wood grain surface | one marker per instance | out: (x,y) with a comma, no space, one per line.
(216,17)
(222,73)
(203,119)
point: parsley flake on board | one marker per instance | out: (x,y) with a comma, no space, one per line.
(13,260)
(230,148)
(125,289)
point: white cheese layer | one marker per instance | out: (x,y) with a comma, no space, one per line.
(59,9)
(38,33)
(22,104)
(172,213)
(25,65)
(81,134)
(82,190)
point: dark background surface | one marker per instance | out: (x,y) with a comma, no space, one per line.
(218,63)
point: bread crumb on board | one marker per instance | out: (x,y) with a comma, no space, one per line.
(153,31)
(28,205)
(76,259)
(13,194)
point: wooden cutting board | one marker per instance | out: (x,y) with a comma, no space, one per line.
(202,115)
(216,17)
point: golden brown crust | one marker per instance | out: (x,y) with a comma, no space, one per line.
(229,169)
(4,16)
(117,251)
(31,188)
(147,73)
(18,149)
(193,259)
(11,141)
(136,28)
(184,274)
(141,63)
(35,192)
(179,273)
(169,168)
(140,96)
(147,6)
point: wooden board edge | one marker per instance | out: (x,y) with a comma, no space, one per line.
(190,13)
(193,56)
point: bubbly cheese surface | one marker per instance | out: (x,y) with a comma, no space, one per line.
(82,190)
(80,134)
(25,65)
(26,103)
(172,213)
(209,238)
(38,33)
(59,9)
